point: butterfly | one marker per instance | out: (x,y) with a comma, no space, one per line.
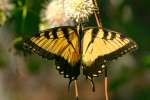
(76,48)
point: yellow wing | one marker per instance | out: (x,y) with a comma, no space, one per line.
(101,46)
(61,43)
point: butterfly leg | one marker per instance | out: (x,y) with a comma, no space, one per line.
(92,82)
(93,85)
(69,86)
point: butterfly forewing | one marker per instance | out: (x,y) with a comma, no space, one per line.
(101,46)
(61,43)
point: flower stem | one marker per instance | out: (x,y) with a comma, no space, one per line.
(106,85)
(97,14)
(106,88)
(76,90)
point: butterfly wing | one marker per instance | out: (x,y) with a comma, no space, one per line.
(101,46)
(60,43)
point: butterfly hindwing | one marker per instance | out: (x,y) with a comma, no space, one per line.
(60,43)
(101,46)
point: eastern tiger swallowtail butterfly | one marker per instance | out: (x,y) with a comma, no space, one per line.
(74,48)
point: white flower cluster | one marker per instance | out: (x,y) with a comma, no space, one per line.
(79,10)
(53,15)
(60,12)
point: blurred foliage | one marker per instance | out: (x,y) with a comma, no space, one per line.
(146,60)
(26,16)
(34,66)
(129,16)
(142,94)
(2,18)
(3,61)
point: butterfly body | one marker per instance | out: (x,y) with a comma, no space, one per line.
(74,48)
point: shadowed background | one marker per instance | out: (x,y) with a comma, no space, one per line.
(29,77)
